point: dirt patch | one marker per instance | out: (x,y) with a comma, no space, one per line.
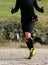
(18,57)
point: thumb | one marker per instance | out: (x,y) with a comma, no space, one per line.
(42,6)
(12,8)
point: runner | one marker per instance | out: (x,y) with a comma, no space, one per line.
(28,19)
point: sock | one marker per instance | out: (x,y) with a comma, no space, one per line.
(30,43)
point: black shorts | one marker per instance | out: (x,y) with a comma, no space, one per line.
(28,27)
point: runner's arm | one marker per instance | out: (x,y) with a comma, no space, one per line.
(16,7)
(38,8)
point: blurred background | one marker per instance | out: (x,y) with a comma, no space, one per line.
(10,27)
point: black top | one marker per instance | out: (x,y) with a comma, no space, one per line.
(27,9)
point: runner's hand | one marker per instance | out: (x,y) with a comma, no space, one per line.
(13,11)
(42,9)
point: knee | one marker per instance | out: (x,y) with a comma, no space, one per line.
(27,36)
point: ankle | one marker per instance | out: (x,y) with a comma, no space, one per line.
(31,50)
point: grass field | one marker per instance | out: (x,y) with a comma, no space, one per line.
(5,10)
(6,5)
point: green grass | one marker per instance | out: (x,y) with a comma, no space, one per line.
(6,5)
(5,10)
